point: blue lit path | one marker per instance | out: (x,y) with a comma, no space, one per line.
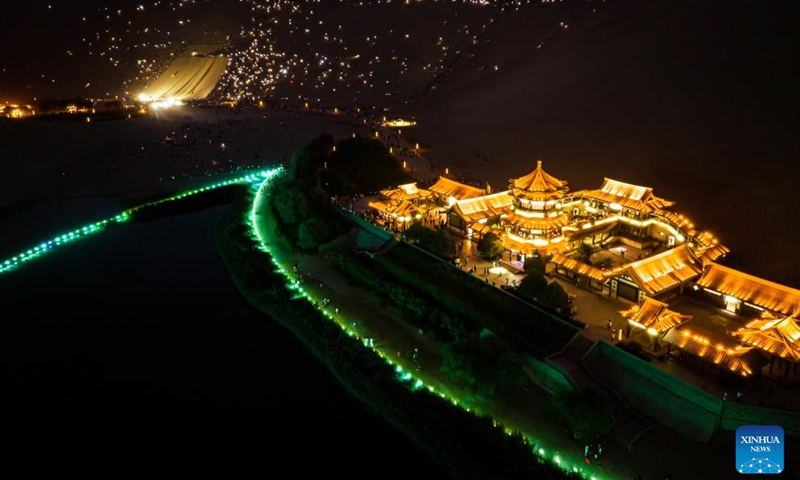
(52,244)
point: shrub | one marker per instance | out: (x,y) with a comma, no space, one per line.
(490,247)
(532,285)
(584,410)
(554,296)
(313,233)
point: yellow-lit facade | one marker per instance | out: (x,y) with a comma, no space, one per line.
(539,214)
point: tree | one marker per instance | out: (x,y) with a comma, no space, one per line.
(305,161)
(417,231)
(584,410)
(490,247)
(532,285)
(312,233)
(442,244)
(535,263)
(584,253)
(454,326)
(466,362)
(511,376)
(290,203)
(554,296)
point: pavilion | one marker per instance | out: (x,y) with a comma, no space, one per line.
(746,294)
(447,192)
(661,276)
(780,339)
(717,356)
(579,272)
(627,199)
(397,213)
(408,193)
(536,216)
(654,317)
(475,215)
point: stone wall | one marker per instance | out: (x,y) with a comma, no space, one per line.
(654,393)
(668,400)
(366,225)
(548,375)
(738,414)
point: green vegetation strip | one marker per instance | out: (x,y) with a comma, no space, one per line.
(472,447)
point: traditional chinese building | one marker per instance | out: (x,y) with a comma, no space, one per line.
(746,294)
(654,317)
(536,217)
(780,339)
(539,215)
(717,358)
(473,217)
(409,193)
(447,192)
(661,276)
(656,327)
(633,209)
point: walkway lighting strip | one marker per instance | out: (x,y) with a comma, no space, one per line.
(92,228)
(414,382)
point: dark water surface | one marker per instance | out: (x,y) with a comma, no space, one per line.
(134,345)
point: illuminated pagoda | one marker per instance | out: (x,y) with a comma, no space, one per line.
(537,217)
(780,338)
(746,294)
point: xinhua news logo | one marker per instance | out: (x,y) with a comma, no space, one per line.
(759,449)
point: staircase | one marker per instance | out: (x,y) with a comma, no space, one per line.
(513,267)
(628,426)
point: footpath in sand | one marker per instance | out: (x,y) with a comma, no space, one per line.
(661,452)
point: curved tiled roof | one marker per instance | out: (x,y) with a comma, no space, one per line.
(450,188)
(628,195)
(780,337)
(663,271)
(748,288)
(654,314)
(538,185)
